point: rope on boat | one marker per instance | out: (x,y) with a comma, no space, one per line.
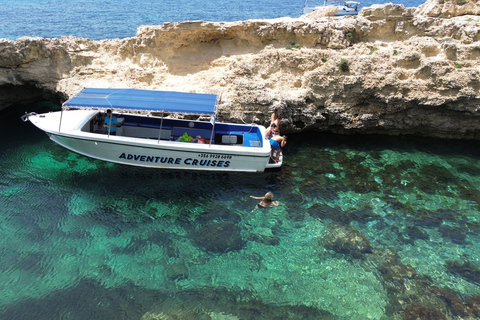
(26,115)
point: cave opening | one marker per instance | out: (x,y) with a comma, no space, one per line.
(15,100)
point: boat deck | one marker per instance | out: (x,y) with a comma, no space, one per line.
(172,129)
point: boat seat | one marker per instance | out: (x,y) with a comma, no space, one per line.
(230,139)
(251,140)
(179,131)
(145,125)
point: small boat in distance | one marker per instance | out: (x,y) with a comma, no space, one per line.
(344,7)
(149,135)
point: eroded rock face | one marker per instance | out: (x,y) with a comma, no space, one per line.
(407,73)
(449,8)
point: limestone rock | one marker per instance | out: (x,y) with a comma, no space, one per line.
(449,8)
(408,72)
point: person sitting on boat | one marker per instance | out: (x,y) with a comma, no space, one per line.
(199,139)
(272,131)
(267,201)
(277,143)
(111,123)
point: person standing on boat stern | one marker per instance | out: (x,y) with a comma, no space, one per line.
(275,117)
(277,143)
(267,201)
(111,123)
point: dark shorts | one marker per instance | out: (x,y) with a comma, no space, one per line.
(274,144)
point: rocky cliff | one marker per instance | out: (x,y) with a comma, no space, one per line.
(391,69)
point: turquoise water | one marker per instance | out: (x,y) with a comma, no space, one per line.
(86,239)
(109,19)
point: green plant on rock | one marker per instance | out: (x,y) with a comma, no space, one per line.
(324,59)
(415,56)
(458,65)
(395,52)
(372,50)
(344,65)
(293,46)
(441,16)
(461,2)
(350,36)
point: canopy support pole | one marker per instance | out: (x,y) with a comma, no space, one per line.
(160,131)
(110,124)
(60,124)
(213,130)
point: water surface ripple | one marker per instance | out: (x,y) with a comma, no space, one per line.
(365,226)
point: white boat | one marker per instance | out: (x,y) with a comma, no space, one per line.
(344,7)
(148,133)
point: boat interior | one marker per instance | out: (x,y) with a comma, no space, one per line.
(168,129)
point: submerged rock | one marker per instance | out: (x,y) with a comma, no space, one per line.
(177,270)
(453,302)
(467,270)
(416,311)
(342,238)
(390,266)
(219,237)
(265,236)
(473,303)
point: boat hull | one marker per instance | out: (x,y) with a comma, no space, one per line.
(163,157)
(348,8)
(75,134)
(342,10)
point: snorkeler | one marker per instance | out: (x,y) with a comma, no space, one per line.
(267,201)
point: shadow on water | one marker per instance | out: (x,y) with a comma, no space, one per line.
(375,143)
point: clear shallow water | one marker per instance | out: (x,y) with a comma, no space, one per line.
(120,18)
(85,239)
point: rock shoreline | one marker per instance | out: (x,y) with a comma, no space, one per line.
(389,70)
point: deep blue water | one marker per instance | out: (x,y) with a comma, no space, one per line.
(109,19)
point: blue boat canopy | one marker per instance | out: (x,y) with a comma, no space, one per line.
(145,100)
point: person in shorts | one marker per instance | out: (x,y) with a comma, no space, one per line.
(277,143)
